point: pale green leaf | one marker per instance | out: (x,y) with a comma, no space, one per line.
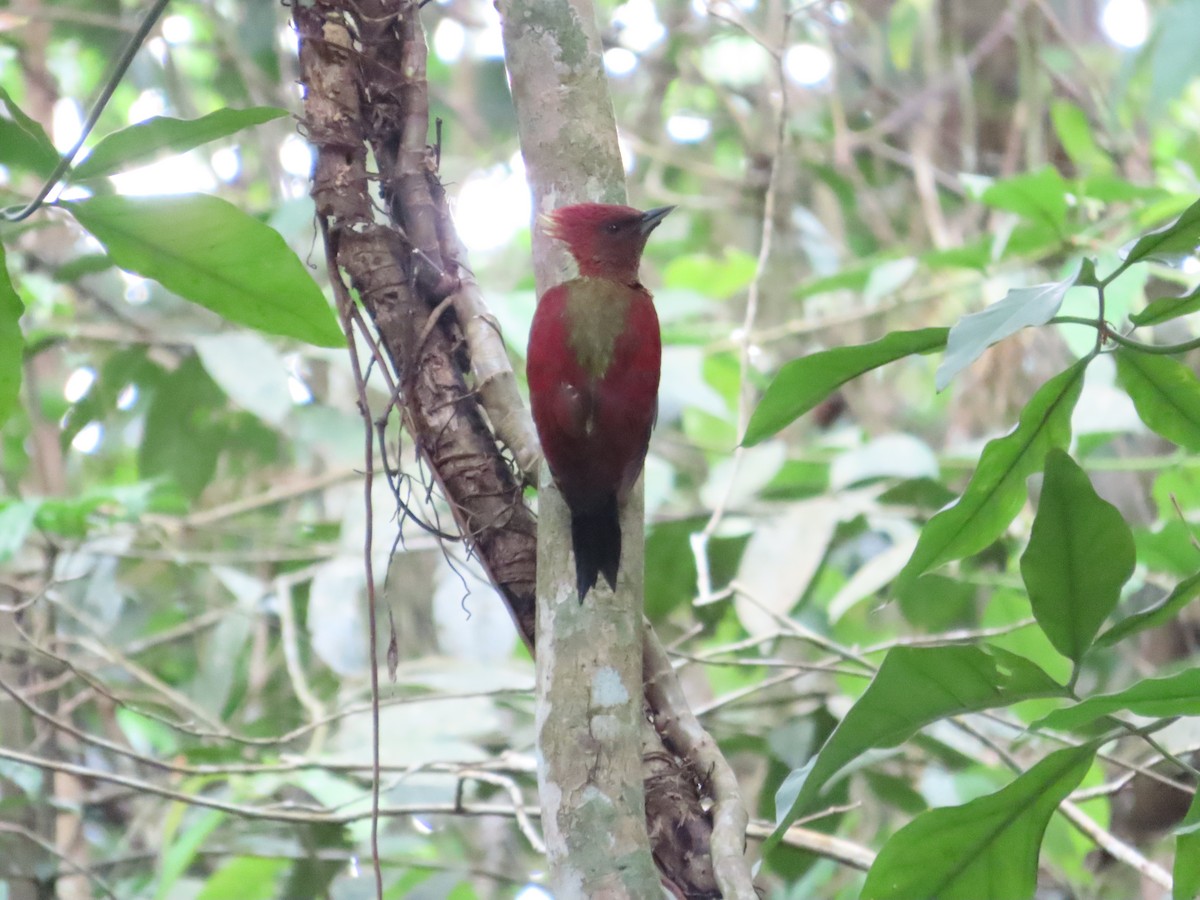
(1020,308)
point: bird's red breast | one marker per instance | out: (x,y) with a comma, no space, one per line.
(593,369)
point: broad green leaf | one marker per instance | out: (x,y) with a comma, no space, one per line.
(1158,614)
(1020,308)
(145,140)
(803,383)
(1159,698)
(210,252)
(1075,132)
(1170,244)
(914,687)
(983,850)
(1165,393)
(1080,553)
(23,142)
(1187,855)
(997,489)
(12,342)
(1166,308)
(1039,196)
(244,878)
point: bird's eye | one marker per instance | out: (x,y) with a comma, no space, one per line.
(612,227)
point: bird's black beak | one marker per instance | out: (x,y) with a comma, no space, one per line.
(652,217)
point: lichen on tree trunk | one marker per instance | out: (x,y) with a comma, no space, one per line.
(362,67)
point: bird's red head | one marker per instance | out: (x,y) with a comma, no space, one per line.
(606,240)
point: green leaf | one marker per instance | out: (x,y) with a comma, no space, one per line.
(1039,196)
(1165,393)
(1187,855)
(997,489)
(1113,189)
(208,251)
(1158,614)
(717,277)
(183,435)
(12,342)
(1075,132)
(1020,308)
(1080,553)
(1087,276)
(983,850)
(914,687)
(179,854)
(1159,698)
(145,140)
(1170,244)
(23,142)
(803,383)
(1166,308)
(244,878)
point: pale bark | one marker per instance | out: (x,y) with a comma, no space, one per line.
(425,312)
(589,666)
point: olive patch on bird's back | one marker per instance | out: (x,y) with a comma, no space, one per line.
(596,311)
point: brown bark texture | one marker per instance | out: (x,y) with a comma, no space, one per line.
(363,70)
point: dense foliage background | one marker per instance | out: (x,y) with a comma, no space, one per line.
(183,660)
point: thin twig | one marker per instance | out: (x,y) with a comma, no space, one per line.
(345,306)
(699,540)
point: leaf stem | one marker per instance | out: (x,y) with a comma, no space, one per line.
(1107,333)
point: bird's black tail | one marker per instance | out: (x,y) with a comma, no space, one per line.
(596,538)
